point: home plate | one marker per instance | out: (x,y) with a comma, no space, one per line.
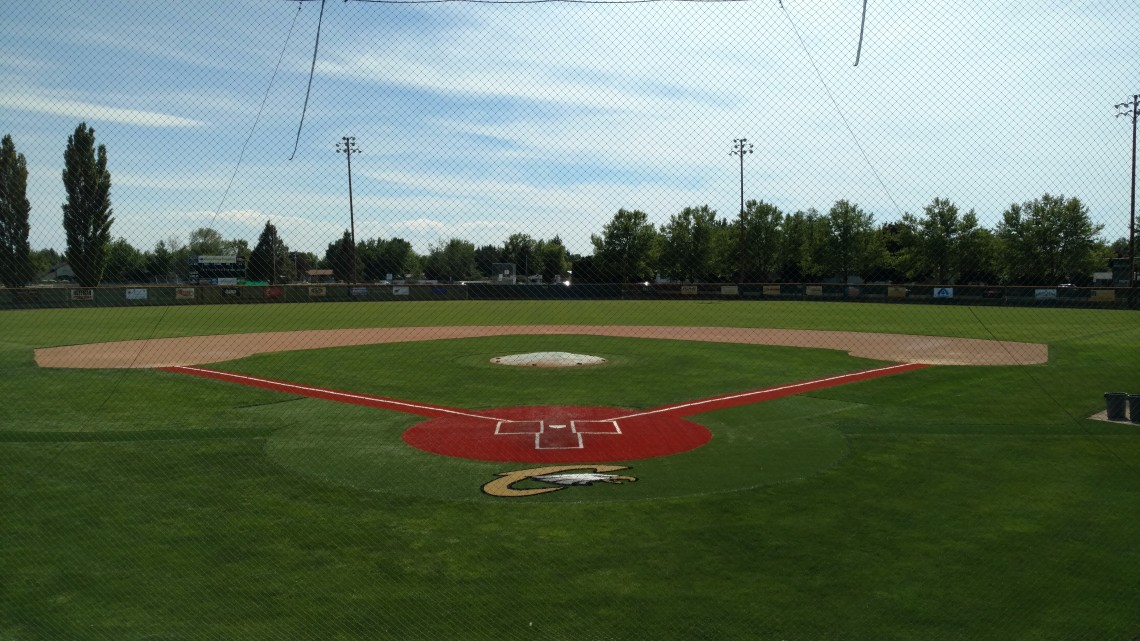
(548,359)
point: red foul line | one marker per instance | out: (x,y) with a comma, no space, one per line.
(689,408)
(431,411)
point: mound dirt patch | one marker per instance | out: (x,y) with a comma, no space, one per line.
(548,359)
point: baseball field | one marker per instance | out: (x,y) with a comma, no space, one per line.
(733,470)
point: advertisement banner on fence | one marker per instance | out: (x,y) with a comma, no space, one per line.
(813,290)
(231,292)
(688,290)
(275,293)
(401,291)
(944,292)
(729,290)
(136,294)
(317,291)
(1103,295)
(184,293)
(357,291)
(771,290)
(83,294)
(1045,293)
(897,292)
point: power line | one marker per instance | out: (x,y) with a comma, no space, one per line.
(261,110)
(312,69)
(838,110)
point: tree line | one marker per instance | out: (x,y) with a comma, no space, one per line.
(1050,239)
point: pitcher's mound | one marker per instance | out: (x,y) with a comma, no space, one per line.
(548,359)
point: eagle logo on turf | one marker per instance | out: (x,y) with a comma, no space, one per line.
(559,476)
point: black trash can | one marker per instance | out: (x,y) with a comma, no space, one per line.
(1115,402)
(1134,407)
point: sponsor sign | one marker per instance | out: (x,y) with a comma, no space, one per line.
(83,294)
(318,291)
(688,290)
(1103,295)
(231,292)
(897,292)
(813,290)
(944,292)
(357,291)
(184,293)
(854,292)
(217,260)
(729,290)
(136,294)
(771,290)
(439,291)
(225,281)
(26,295)
(276,293)
(1045,293)
(400,290)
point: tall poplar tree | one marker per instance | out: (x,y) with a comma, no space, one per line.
(87,212)
(15,253)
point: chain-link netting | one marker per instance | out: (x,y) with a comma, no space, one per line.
(569,319)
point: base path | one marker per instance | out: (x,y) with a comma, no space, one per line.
(199,350)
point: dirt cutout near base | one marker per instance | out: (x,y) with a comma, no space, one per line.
(200,350)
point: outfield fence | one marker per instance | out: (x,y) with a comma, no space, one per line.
(143,296)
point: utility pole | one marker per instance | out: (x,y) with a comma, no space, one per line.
(347,146)
(741,146)
(1131,110)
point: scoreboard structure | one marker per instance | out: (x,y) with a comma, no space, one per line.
(217,270)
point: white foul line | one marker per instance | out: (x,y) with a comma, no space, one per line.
(341,394)
(671,408)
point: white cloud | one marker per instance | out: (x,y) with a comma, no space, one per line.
(46,104)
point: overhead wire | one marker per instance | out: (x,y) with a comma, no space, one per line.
(260,111)
(308,90)
(839,110)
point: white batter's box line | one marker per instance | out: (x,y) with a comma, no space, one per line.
(595,427)
(519,427)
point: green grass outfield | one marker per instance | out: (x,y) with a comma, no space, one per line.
(945,503)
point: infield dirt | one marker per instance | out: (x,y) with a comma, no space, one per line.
(200,350)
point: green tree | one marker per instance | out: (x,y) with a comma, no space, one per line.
(520,250)
(339,257)
(451,261)
(687,244)
(850,233)
(16,267)
(486,256)
(207,241)
(44,259)
(1048,240)
(87,212)
(627,249)
(803,246)
(269,260)
(125,264)
(940,235)
(553,259)
(756,247)
(160,262)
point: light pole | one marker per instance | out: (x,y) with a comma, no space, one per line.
(740,147)
(347,146)
(1131,110)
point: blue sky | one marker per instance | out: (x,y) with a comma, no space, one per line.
(478,121)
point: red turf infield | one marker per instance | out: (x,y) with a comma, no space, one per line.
(554,434)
